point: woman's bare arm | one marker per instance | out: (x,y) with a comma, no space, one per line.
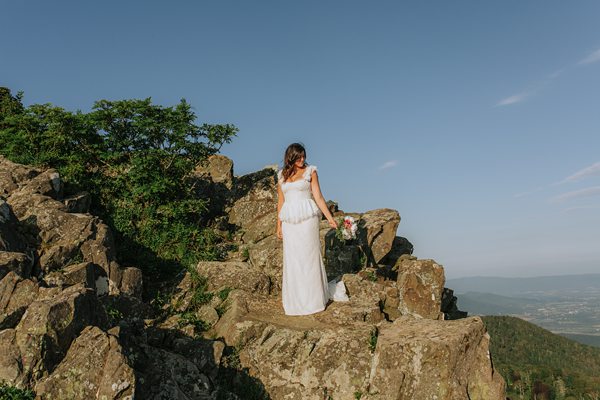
(319,199)
(280,200)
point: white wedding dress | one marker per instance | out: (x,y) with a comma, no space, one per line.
(304,289)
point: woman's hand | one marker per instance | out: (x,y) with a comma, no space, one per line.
(333,223)
(279,233)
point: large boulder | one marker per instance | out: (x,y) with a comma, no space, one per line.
(377,231)
(94,367)
(19,263)
(267,256)
(16,294)
(254,196)
(425,359)
(218,169)
(421,284)
(50,324)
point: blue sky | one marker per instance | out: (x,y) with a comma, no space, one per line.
(478,121)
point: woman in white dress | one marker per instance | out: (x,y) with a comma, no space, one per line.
(305,289)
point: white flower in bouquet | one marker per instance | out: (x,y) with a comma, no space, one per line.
(346,228)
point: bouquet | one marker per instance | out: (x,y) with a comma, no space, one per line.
(346,229)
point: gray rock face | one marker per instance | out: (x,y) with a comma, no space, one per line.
(60,238)
(421,284)
(20,263)
(378,231)
(425,359)
(16,294)
(234,275)
(218,169)
(94,368)
(334,354)
(50,324)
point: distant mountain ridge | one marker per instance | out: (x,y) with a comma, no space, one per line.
(517,286)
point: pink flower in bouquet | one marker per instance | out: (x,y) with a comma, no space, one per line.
(346,228)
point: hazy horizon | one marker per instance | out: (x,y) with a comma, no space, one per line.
(478,122)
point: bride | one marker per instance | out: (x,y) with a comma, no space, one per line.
(304,289)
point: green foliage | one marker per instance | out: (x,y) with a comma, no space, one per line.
(223,293)
(190,318)
(528,356)
(8,392)
(137,160)
(245,253)
(371,276)
(373,339)
(200,295)
(114,314)
(357,395)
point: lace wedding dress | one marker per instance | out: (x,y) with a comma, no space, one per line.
(305,289)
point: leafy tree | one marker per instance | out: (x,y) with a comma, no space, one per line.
(137,160)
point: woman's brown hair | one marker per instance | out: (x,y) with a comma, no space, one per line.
(293,152)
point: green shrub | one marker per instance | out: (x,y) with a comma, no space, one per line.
(12,393)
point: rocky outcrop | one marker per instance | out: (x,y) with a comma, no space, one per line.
(55,237)
(94,368)
(73,325)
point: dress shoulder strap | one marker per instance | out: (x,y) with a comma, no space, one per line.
(309,171)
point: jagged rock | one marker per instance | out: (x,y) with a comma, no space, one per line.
(10,359)
(425,359)
(207,314)
(85,273)
(12,175)
(20,263)
(50,324)
(365,297)
(260,228)
(449,306)
(267,256)
(16,294)
(255,196)
(421,283)
(95,367)
(46,183)
(165,375)
(10,239)
(234,275)
(131,282)
(377,230)
(218,168)
(78,203)
(400,246)
(63,238)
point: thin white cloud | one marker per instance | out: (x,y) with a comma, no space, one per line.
(581,208)
(389,164)
(576,194)
(555,74)
(592,170)
(593,57)
(528,192)
(517,98)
